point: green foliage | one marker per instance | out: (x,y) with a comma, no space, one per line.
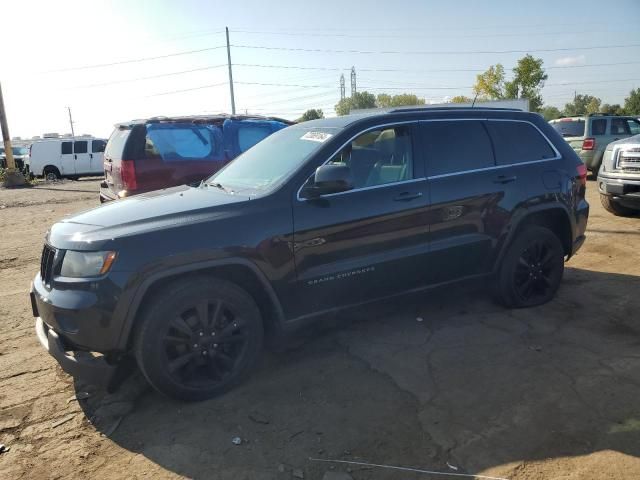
(461,99)
(404,99)
(311,114)
(581,105)
(528,80)
(490,84)
(550,112)
(614,109)
(359,100)
(632,103)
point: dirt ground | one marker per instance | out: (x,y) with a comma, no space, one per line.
(544,393)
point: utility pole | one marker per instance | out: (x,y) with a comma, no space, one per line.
(71,123)
(353,81)
(233,100)
(12,177)
(342,87)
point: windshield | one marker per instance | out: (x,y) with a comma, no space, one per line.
(569,127)
(269,163)
(19,150)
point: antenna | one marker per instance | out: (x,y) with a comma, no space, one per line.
(474,101)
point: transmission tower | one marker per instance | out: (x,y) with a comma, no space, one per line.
(342,87)
(353,81)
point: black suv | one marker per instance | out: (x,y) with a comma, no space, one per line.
(317,217)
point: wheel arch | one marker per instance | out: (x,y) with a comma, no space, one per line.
(52,167)
(242,272)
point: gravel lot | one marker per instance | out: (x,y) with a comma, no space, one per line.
(544,393)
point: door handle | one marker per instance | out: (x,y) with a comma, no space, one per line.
(407,196)
(75,157)
(505,179)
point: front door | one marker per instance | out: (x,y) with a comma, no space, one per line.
(97,157)
(82,156)
(370,241)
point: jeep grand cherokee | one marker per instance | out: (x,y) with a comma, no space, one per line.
(317,217)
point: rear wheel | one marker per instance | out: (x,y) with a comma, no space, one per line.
(611,206)
(532,268)
(51,173)
(199,338)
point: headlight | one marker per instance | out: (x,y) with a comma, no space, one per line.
(86,264)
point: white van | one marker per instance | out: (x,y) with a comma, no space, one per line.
(67,157)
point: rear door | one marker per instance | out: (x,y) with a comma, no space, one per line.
(81,156)
(67,161)
(112,159)
(371,241)
(468,196)
(96,156)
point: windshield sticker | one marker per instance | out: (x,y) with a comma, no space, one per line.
(316,136)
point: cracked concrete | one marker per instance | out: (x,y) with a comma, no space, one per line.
(549,392)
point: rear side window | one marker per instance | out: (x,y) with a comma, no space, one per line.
(569,127)
(250,135)
(80,147)
(634,126)
(115,146)
(97,146)
(619,126)
(176,142)
(67,148)
(517,142)
(599,126)
(456,146)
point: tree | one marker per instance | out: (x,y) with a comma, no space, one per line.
(385,100)
(460,99)
(581,105)
(614,109)
(632,103)
(528,80)
(490,84)
(594,105)
(550,113)
(311,114)
(357,101)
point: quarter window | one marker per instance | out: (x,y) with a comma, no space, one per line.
(634,126)
(378,157)
(456,146)
(599,126)
(518,142)
(67,148)
(80,147)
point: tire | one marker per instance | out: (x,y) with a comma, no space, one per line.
(611,206)
(51,173)
(174,344)
(531,269)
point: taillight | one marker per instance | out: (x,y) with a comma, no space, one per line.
(588,144)
(128,174)
(581,170)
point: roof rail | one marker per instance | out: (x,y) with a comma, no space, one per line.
(436,108)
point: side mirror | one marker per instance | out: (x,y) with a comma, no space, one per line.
(329,178)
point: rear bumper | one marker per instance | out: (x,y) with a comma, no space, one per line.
(106,195)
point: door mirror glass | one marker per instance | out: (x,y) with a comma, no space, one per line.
(329,178)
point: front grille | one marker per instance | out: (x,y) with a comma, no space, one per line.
(629,160)
(46,263)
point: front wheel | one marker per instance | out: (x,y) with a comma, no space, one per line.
(532,268)
(611,206)
(199,338)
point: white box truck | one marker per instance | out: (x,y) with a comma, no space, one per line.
(55,158)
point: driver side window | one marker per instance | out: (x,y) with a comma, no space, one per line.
(378,157)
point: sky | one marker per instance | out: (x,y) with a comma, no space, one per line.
(117,60)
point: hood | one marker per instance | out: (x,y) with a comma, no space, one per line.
(141,213)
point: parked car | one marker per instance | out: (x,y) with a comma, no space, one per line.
(318,217)
(619,177)
(161,152)
(56,158)
(589,135)
(20,156)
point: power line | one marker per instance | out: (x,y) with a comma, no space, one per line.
(188,89)
(433,52)
(136,60)
(161,75)
(284,85)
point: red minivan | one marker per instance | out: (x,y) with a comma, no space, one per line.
(161,152)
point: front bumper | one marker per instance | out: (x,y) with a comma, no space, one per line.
(624,189)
